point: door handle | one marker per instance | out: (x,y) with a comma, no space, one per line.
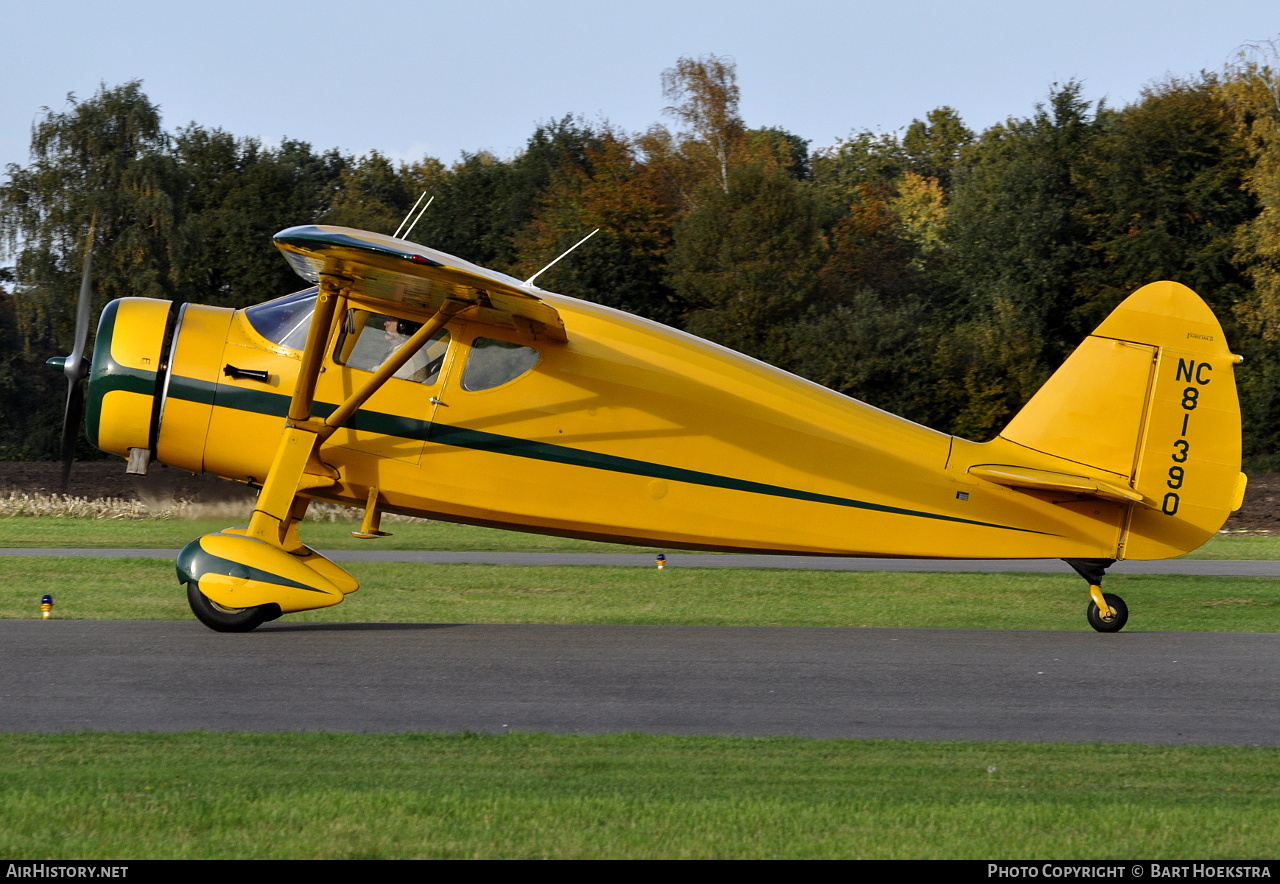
(246,374)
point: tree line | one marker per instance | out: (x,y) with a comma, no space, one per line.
(936,272)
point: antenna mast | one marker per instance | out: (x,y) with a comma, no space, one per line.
(529,282)
(410,215)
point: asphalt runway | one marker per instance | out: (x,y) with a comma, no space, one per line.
(1219,568)
(1162,688)
(1197,688)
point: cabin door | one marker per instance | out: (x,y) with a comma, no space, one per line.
(394,422)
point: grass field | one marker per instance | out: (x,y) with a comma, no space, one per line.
(62,532)
(146,589)
(112,796)
(137,796)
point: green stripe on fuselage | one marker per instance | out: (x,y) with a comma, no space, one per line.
(277,405)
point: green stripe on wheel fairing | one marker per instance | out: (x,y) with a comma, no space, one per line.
(194,561)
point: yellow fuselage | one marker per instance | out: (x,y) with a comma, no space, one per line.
(627,430)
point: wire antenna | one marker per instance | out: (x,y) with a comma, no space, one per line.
(410,215)
(419,218)
(529,282)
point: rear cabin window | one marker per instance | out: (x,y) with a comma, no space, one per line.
(368,340)
(493,363)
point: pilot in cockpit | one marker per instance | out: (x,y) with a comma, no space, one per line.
(423,366)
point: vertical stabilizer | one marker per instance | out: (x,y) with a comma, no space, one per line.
(1149,398)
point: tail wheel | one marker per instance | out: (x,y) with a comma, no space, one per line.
(1114,623)
(220,618)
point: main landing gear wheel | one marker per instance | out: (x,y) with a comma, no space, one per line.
(1116,622)
(223,619)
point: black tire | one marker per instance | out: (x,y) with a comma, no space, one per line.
(1114,624)
(221,619)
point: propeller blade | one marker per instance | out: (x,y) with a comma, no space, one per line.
(71,427)
(76,366)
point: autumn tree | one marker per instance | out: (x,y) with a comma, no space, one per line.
(103,161)
(862,166)
(869,249)
(237,194)
(1252,90)
(931,147)
(371,194)
(1164,180)
(746,260)
(483,202)
(1016,243)
(704,97)
(633,205)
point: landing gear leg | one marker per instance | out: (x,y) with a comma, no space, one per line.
(1106,612)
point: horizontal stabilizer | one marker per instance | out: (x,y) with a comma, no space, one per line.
(391,269)
(1045,480)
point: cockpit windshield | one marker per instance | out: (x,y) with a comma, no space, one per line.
(285,321)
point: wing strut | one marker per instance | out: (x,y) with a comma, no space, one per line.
(241,577)
(332,289)
(297,467)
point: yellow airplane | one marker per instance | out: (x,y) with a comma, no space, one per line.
(405,380)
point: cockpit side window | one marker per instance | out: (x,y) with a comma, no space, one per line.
(285,321)
(493,363)
(368,339)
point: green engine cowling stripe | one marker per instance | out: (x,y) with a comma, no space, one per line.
(106,374)
(277,405)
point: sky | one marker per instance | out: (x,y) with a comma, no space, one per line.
(427,78)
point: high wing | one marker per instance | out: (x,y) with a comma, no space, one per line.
(391,269)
